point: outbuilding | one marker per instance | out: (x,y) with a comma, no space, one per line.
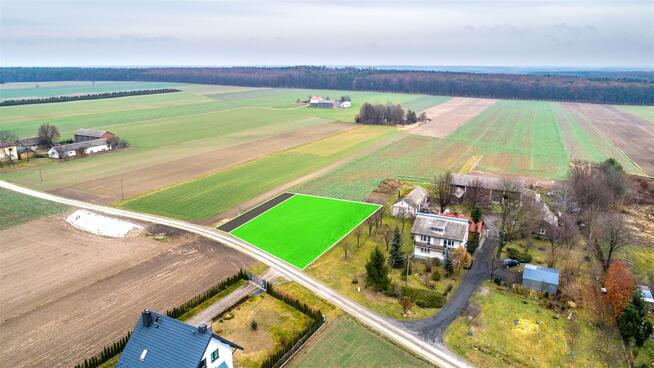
(541,278)
(411,204)
(83,135)
(79,149)
(646,292)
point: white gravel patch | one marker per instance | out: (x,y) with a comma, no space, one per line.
(101,225)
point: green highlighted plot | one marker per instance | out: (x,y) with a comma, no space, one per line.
(302,227)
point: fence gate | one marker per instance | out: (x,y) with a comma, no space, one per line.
(258,281)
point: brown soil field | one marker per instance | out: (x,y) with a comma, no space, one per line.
(633,135)
(449,116)
(137,182)
(66,294)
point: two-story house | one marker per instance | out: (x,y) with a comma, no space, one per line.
(159,341)
(434,235)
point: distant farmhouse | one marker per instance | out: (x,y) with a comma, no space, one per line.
(87,141)
(319,102)
(492,187)
(435,235)
(8,152)
(159,341)
(411,204)
(540,278)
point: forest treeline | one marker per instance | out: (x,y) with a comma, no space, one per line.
(505,86)
(93,96)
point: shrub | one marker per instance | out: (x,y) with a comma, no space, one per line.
(254,325)
(448,289)
(424,298)
(435,275)
(519,256)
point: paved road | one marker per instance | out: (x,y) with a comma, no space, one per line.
(432,329)
(437,354)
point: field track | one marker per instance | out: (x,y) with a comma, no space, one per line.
(633,135)
(67,293)
(449,116)
(251,214)
(143,180)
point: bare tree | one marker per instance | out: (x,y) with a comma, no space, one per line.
(7,136)
(346,248)
(568,230)
(615,236)
(387,235)
(371,221)
(48,134)
(591,194)
(476,195)
(358,232)
(509,207)
(441,190)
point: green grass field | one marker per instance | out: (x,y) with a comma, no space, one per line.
(302,227)
(216,193)
(346,344)
(16,209)
(46,89)
(644,112)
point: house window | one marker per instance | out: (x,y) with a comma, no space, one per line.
(425,250)
(143,354)
(203,363)
(448,242)
(424,238)
(214,356)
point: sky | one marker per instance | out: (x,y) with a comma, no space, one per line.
(598,33)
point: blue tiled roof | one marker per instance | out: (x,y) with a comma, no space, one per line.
(169,342)
(541,274)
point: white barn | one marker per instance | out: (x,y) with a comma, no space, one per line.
(411,204)
(79,148)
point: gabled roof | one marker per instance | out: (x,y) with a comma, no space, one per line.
(453,228)
(3,145)
(415,197)
(488,182)
(80,145)
(91,132)
(31,141)
(541,274)
(169,344)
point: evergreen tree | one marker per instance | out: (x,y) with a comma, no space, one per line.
(377,271)
(449,267)
(633,322)
(397,259)
(476,215)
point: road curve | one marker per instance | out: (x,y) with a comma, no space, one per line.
(437,354)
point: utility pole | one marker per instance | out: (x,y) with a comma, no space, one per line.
(406,280)
(122,193)
(40,175)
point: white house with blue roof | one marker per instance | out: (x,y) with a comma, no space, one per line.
(159,341)
(541,278)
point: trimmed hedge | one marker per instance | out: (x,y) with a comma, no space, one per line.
(519,256)
(107,353)
(424,298)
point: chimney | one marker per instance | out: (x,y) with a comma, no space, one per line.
(202,328)
(147,317)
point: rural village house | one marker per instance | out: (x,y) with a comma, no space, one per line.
(8,152)
(434,235)
(83,135)
(647,296)
(489,185)
(540,278)
(31,143)
(159,341)
(319,102)
(79,149)
(411,204)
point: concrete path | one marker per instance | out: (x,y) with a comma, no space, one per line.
(436,354)
(208,314)
(433,328)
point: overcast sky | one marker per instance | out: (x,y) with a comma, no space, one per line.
(598,33)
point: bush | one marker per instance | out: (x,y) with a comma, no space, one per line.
(519,256)
(448,289)
(254,325)
(424,298)
(435,275)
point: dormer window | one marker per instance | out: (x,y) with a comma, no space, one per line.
(437,229)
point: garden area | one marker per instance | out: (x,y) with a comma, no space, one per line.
(419,295)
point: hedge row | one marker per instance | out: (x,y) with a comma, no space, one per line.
(107,353)
(178,311)
(519,256)
(96,96)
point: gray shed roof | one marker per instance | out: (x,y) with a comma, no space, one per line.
(169,342)
(90,132)
(80,145)
(541,274)
(416,196)
(453,228)
(488,182)
(31,141)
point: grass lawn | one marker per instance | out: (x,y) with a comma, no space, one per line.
(641,260)
(211,195)
(509,330)
(44,89)
(277,323)
(204,305)
(347,344)
(306,296)
(19,208)
(302,227)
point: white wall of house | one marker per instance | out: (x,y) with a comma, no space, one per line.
(402,208)
(53,153)
(8,153)
(421,252)
(224,354)
(433,240)
(96,149)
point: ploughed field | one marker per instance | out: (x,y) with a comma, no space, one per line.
(212,152)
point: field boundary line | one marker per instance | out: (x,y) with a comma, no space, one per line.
(261,214)
(335,199)
(341,238)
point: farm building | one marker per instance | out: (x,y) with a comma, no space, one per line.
(345,104)
(32,143)
(541,278)
(83,135)
(8,152)
(434,235)
(491,186)
(79,149)
(411,204)
(159,341)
